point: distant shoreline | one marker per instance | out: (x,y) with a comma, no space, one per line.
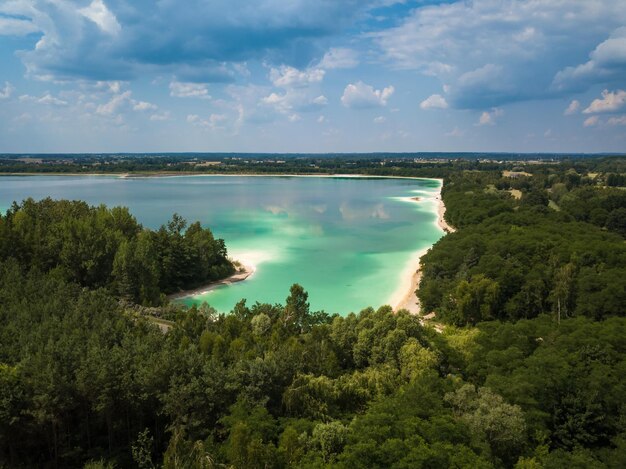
(194,174)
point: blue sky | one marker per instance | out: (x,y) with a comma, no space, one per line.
(312,76)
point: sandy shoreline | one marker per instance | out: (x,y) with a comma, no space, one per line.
(405,297)
(441,211)
(246,270)
(413,274)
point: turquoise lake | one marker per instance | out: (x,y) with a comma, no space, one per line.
(350,242)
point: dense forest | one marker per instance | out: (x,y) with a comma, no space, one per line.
(543,243)
(524,369)
(97,247)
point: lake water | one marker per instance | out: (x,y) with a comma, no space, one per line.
(347,241)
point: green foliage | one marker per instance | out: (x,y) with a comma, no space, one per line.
(485,413)
(84,382)
(528,259)
(329,438)
(100,247)
(142,450)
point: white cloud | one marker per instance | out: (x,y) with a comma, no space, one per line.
(214,122)
(287,77)
(435,101)
(573,108)
(161,116)
(339,57)
(435,69)
(16,27)
(144,106)
(489,117)
(113,86)
(380,120)
(203,42)
(294,99)
(619,120)
(493,52)
(98,12)
(481,75)
(189,90)
(362,96)
(7,91)
(610,102)
(114,105)
(321,100)
(47,99)
(51,100)
(607,61)
(591,121)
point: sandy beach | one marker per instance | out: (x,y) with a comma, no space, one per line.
(244,272)
(405,297)
(441,221)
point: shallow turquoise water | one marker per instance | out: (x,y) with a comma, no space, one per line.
(348,241)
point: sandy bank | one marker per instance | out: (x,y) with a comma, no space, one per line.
(244,272)
(405,297)
(441,221)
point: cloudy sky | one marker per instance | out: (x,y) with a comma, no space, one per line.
(312,76)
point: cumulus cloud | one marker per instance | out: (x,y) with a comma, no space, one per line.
(618,120)
(591,121)
(294,100)
(161,116)
(573,108)
(214,121)
(435,101)
(98,12)
(144,106)
(189,90)
(339,57)
(119,39)
(610,102)
(490,117)
(7,91)
(114,105)
(362,96)
(16,27)
(287,77)
(607,62)
(493,52)
(299,92)
(47,99)
(380,120)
